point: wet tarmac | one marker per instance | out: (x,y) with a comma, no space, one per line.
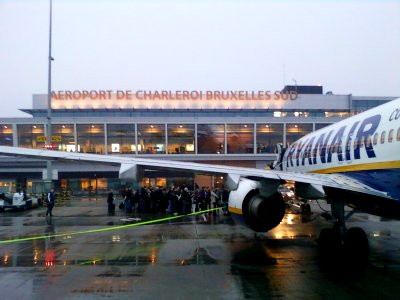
(185,258)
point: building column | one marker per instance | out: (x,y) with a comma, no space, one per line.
(105,138)
(225,141)
(284,135)
(254,138)
(196,144)
(15,135)
(136,140)
(76,138)
(166,137)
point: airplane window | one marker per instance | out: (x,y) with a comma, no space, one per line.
(376,138)
(398,135)
(362,142)
(355,142)
(383,137)
(348,145)
(390,136)
(368,141)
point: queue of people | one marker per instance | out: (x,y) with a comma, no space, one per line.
(174,200)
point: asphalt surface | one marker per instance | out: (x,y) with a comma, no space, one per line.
(184,258)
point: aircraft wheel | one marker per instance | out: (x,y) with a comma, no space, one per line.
(303,208)
(329,245)
(308,208)
(356,246)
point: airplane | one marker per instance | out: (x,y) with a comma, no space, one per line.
(354,162)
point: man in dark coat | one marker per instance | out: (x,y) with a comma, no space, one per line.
(51,199)
(110,201)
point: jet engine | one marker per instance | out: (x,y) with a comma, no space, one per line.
(261,205)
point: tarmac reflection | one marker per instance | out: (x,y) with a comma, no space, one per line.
(190,258)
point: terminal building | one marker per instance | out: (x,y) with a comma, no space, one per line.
(239,128)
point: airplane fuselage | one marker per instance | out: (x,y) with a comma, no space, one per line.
(365,147)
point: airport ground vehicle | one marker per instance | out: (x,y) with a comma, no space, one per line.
(293,202)
(10,201)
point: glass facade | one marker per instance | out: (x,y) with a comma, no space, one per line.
(336,114)
(363,105)
(64,133)
(151,138)
(181,138)
(6,135)
(90,138)
(211,138)
(121,139)
(176,138)
(240,138)
(267,136)
(296,131)
(321,125)
(167,138)
(31,136)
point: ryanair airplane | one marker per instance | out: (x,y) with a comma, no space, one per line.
(355,162)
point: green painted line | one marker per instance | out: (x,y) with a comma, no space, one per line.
(90,261)
(24,239)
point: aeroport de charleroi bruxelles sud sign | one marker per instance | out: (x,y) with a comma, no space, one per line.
(171,95)
(165,99)
(130,98)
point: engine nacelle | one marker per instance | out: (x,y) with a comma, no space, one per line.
(259,203)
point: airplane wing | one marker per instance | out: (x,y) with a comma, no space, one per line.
(131,167)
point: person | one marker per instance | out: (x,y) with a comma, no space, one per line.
(25,196)
(110,201)
(128,200)
(51,198)
(214,200)
(18,197)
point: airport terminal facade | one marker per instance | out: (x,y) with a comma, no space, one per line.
(238,128)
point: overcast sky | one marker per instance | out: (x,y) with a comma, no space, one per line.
(347,46)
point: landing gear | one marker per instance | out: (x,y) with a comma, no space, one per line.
(356,246)
(339,244)
(305,208)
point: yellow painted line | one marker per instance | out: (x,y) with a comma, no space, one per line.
(22,239)
(235,210)
(361,167)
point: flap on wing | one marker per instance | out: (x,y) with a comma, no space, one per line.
(130,171)
(232,181)
(309,191)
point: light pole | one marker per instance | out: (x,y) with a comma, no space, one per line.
(48,133)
